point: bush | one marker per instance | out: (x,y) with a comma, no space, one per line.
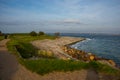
(45,54)
(41,33)
(26,50)
(33,33)
(1,33)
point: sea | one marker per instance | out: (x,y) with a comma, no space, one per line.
(102,45)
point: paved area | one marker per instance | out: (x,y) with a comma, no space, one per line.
(8,62)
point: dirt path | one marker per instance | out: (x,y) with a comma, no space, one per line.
(92,75)
(10,69)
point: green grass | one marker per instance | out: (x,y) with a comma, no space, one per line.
(43,66)
(28,38)
(47,65)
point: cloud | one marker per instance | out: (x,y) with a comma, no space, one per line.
(61,15)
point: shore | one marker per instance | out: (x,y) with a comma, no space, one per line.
(55,46)
(61,49)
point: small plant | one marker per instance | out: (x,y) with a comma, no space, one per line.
(45,54)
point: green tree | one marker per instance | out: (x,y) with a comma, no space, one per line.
(33,33)
(1,33)
(41,33)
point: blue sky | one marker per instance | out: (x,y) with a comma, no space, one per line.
(77,16)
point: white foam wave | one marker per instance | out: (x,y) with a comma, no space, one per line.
(88,39)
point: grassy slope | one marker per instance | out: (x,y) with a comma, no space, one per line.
(43,66)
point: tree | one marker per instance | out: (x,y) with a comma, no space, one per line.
(1,33)
(41,33)
(57,34)
(33,33)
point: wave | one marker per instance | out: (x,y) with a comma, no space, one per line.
(78,43)
(88,39)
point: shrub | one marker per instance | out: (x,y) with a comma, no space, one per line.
(45,54)
(1,33)
(41,33)
(26,50)
(33,33)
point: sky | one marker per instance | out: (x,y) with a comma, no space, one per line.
(67,16)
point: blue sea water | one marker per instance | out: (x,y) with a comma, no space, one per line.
(102,45)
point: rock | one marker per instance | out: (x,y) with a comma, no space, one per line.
(112,62)
(92,57)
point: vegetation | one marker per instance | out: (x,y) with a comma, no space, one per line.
(26,50)
(45,54)
(43,66)
(41,33)
(1,33)
(20,45)
(33,33)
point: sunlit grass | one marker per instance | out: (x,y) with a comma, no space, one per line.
(43,66)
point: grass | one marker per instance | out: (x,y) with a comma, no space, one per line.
(46,64)
(43,66)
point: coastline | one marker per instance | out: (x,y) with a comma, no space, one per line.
(109,62)
(61,49)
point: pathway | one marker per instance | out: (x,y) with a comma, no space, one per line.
(8,63)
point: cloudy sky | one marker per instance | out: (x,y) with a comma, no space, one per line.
(77,16)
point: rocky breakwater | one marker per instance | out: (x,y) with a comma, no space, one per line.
(84,56)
